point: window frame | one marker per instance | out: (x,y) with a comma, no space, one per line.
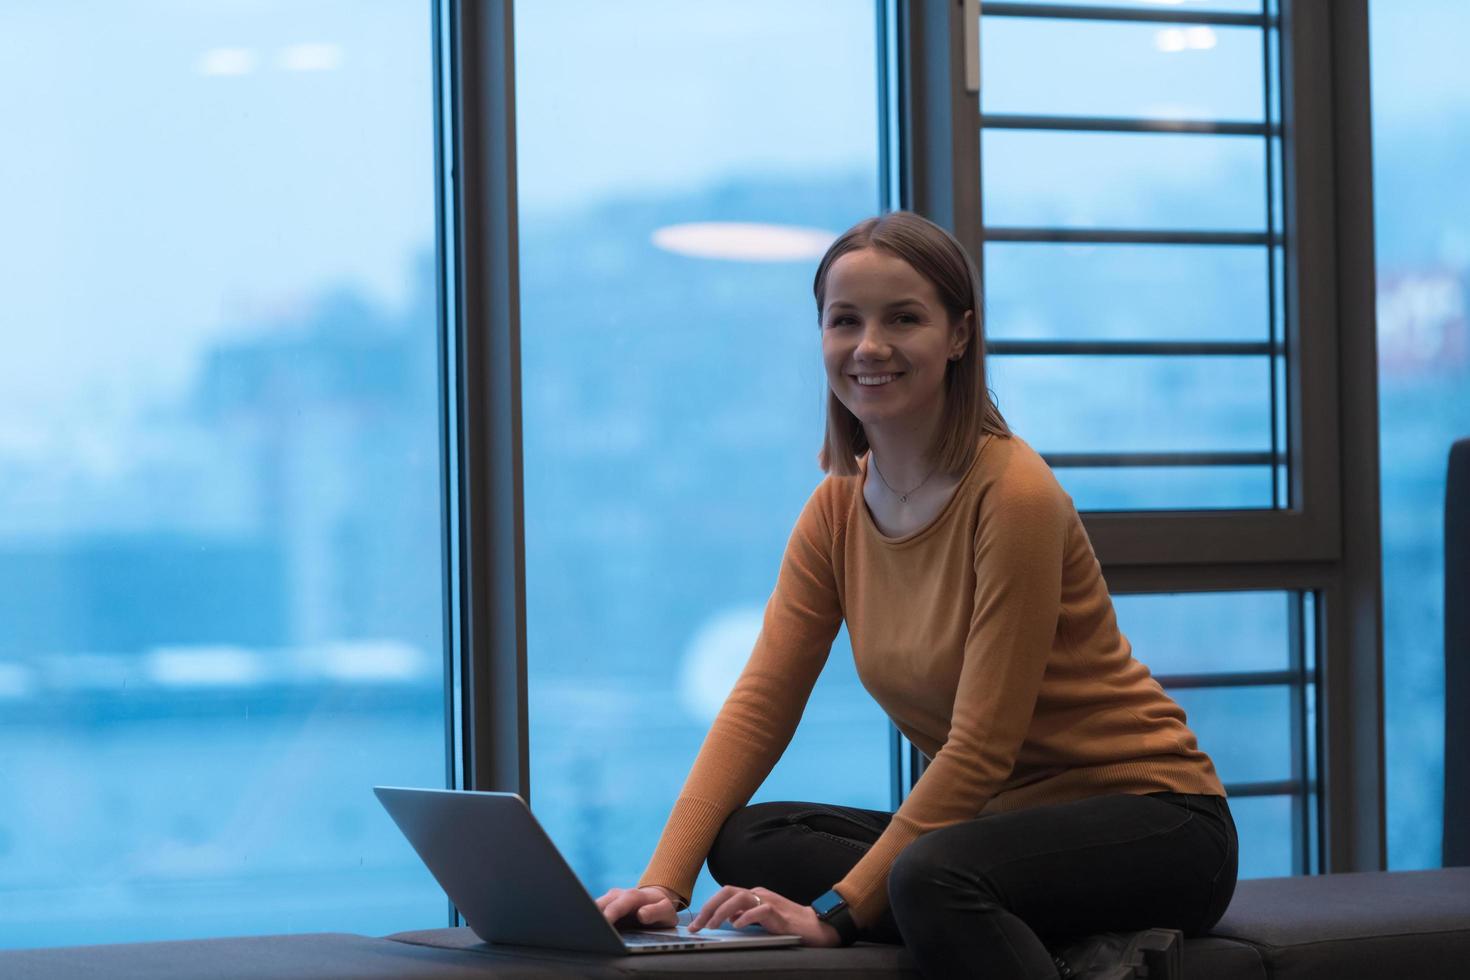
(484,486)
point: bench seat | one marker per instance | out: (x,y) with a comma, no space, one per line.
(1411,924)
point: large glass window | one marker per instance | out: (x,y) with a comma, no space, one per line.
(1243,666)
(220,599)
(681,168)
(1421,146)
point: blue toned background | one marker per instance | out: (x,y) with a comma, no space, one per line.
(220,603)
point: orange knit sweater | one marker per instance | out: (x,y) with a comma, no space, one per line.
(990,640)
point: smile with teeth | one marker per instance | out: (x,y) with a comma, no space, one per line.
(872,380)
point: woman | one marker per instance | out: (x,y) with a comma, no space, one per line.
(1066,797)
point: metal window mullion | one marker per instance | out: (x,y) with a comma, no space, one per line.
(895,192)
(1125,236)
(896,784)
(1301,844)
(444,279)
(918,762)
(1066,11)
(1239,678)
(1131,348)
(1153,538)
(1163,459)
(1311,335)
(1207,577)
(1273,131)
(492,634)
(1270,787)
(1312,622)
(892,178)
(1122,124)
(1330,40)
(941,131)
(446,247)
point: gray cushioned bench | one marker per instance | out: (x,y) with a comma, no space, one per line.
(1214,957)
(1335,927)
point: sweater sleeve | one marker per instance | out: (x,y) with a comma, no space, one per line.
(1019,547)
(757,720)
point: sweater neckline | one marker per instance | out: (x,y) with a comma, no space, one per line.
(944,512)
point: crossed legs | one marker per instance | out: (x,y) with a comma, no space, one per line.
(986,897)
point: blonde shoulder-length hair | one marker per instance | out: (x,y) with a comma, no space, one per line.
(969,411)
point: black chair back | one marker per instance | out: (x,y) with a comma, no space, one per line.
(1457,658)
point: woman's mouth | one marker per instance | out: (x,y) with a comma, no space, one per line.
(876,380)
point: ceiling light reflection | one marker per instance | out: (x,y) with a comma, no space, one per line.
(744,241)
(310,57)
(1172,39)
(227,61)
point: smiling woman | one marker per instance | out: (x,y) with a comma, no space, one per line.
(981,624)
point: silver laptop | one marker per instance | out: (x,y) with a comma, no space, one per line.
(511,884)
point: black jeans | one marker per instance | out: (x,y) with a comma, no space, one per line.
(988,896)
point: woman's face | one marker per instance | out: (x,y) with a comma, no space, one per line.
(886,339)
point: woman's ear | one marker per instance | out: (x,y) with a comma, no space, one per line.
(964,332)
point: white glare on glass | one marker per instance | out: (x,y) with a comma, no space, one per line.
(1173,39)
(310,57)
(227,61)
(16,681)
(743,241)
(212,666)
(712,662)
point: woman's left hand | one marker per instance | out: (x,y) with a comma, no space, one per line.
(762,907)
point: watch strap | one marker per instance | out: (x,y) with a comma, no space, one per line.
(832,909)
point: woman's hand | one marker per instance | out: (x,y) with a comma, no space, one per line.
(652,906)
(762,907)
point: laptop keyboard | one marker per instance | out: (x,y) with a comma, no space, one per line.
(661,938)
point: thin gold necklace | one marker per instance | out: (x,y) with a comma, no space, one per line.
(903,498)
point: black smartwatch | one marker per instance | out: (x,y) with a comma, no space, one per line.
(832,909)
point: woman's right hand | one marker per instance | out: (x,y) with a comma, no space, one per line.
(652,906)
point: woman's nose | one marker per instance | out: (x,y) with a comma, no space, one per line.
(872,343)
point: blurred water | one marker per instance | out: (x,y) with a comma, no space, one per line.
(221,824)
